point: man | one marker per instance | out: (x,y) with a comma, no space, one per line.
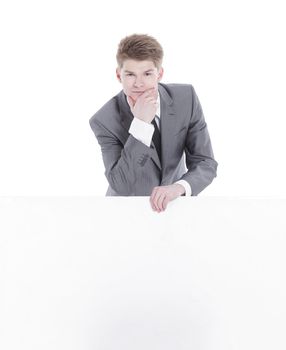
(153,136)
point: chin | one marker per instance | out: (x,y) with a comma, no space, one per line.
(135,96)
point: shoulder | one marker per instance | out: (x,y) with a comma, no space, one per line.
(179,94)
(109,109)
(178,89)
(182,96)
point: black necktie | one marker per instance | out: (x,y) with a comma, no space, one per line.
(157,138)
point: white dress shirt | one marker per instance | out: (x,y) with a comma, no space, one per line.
(143,132)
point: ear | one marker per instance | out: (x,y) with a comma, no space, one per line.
(161,73)
(118,75)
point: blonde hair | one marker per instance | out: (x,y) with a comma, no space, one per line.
(140,47)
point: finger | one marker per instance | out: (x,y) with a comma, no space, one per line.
(148,92)
(152,89)
(159,197)
(154,198)
(165,202)
(130,101)
(151,100)
(160,201)
(155,95)
(152,204)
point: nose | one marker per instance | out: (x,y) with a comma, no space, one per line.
(138,82)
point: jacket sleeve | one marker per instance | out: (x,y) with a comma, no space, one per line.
(124,163)
(200,160)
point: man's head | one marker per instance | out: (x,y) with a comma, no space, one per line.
(139,59)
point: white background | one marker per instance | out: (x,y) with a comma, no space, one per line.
(58,68)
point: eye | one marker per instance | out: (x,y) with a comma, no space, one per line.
(129,74)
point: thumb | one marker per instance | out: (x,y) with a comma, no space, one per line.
(130,102)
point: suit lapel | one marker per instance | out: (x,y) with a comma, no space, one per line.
(126,116)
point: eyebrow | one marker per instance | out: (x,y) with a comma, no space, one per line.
(146,71)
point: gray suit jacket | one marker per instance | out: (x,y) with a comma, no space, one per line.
(134,169)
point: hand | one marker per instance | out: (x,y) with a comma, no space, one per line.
(145,106)
(162,195)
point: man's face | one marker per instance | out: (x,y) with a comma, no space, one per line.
(138,76)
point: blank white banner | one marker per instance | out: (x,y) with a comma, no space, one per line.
(109,273)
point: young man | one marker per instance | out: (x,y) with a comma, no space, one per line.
(153,136)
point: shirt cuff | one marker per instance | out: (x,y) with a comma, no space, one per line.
(142,131)
(187,187)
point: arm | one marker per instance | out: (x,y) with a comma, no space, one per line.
(201,166)
(123,162)
(125,167)
(200,160)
